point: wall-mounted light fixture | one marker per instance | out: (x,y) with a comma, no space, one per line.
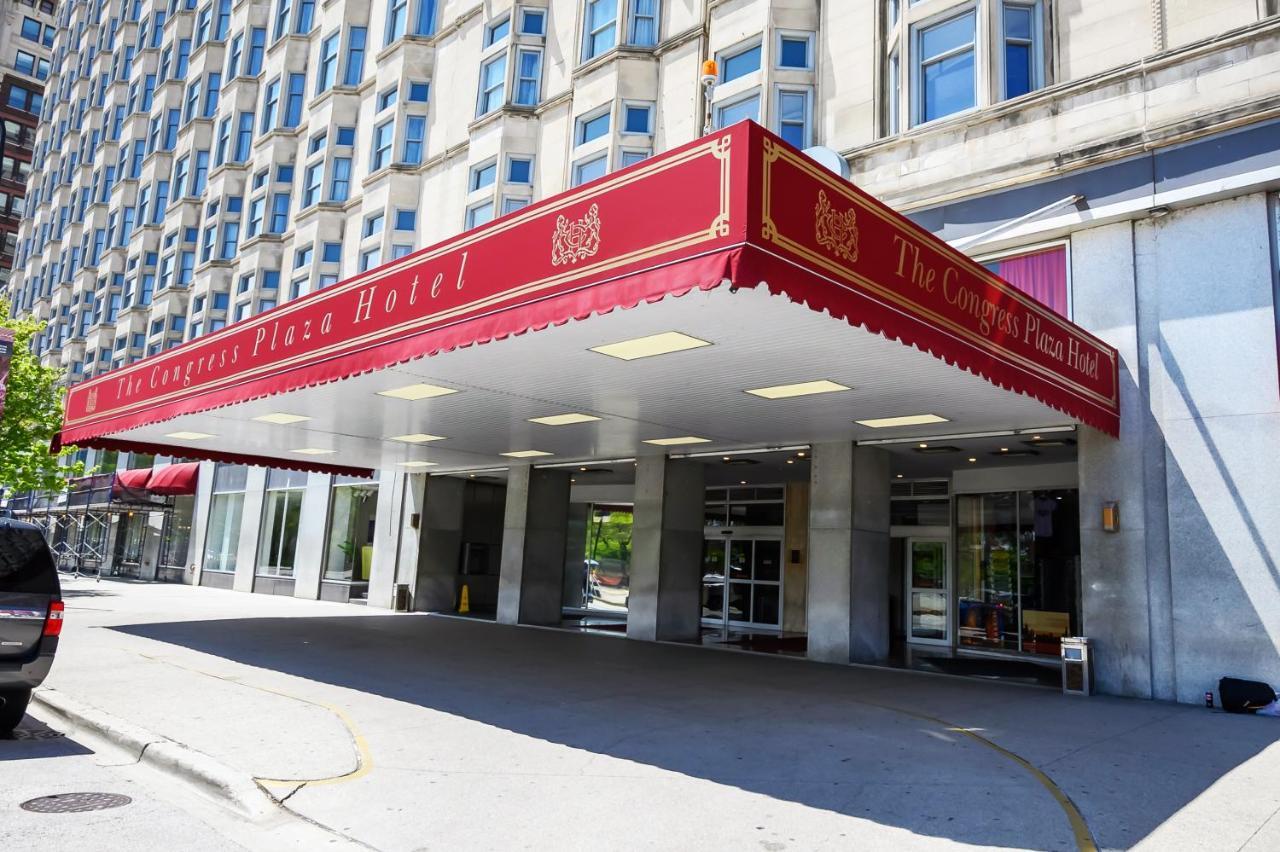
(1111,516)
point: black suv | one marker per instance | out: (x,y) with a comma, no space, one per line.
(30,617)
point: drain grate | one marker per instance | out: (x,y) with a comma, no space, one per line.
(75,803)
(38,734)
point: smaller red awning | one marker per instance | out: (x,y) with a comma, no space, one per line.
(175,479)
(133,478)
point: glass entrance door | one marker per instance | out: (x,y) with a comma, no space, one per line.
(742,582)
(928,591)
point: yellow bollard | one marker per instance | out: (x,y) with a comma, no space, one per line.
(464,603)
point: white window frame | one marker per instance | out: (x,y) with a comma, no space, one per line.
(587,161)
(648,106)
(645,153)
(507,174)
(915,34)
(474,174)
(631,23)
(501,87)
(795,35)
(807,92)
(539,10)
(517,78)
(723,57)
(751,94)
(998,64)
(489,40)
(588,34)
(580,125)
(471,213)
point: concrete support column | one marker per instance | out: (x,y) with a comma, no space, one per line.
(534,533)
(665,601)
(313,529)
(439,544)
(255,493)
(200,519)
(848,610)
(575,555)
(395,540)
(1124,576)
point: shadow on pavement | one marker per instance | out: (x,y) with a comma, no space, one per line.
(837,738)
(33,739)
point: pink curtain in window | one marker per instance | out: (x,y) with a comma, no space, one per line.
(1041,275)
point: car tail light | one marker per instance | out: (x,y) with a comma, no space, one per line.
(53,621)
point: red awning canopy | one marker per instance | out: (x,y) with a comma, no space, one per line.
(174,479)
(739,210)
(135,479)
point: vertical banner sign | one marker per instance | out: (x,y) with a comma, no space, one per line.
(6,352)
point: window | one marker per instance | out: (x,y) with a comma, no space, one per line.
(331,253)
(302,257)
(293,107)
(418,93)
(793,117)
(399,250)
(279,213)
(373,225)
(482,176)
(230,239)
(644,22)
(944,75)
(632,156)
(415,131)
(493,78)
(397,18)
(306,16)
(528,76)
(257,44)
(519,170)
(511,205)
(270,106)
(497,31)
(282,18)
(31,29)
(533,22)
(383,135)
(1021,48)
(223,538)
(312,180)
(257,209)
(1041,274)
(589,170)
(793,51)
(424,22)
(601,24)
(327,74)
(340,183)
(355,56)
(740,64)
(212,86)
(732,113)
(317,142)
(406,220)
(281,514)
(479,214)
(346,136)
(637,118)
(387,99)
(592,127)
(244,137)
(371,258)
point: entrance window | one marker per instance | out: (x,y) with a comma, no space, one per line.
(749,507)
(279,543)
(225,514)
(1018,558)
(1041,274)
(177,534)
(607,577)
(352,511)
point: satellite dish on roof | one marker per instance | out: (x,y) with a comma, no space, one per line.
(828,159)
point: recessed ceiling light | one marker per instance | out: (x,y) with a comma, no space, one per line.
(800,454)
(798,389)
(416,438)
(314,451)
(742,482)
(899,476)
(189,436)
(417,391)
(973,460)
(525,454)
(280,418)
(906,420)
(563,419)
(653,344)
(675,442)
(791,461)
(923,446)
(1004,449)
(417,464)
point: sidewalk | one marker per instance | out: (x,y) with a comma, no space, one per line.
(412,731)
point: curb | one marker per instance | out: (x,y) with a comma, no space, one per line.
(228,787)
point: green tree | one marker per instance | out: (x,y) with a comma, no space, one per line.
(32,415)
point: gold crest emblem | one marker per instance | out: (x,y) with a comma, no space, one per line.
(836,232)
(91,401)
(576,240)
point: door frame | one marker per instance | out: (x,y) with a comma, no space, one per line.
(931,534)
(726,536)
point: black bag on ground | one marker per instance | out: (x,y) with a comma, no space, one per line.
(1244,696)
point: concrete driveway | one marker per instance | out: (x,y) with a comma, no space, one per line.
(417,731)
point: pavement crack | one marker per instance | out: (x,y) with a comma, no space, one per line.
(293,792)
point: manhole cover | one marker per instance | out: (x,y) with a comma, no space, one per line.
(38,734)
(74,803)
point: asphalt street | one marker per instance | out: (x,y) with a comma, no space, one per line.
(411,731)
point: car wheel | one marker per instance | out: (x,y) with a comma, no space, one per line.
(14,708)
